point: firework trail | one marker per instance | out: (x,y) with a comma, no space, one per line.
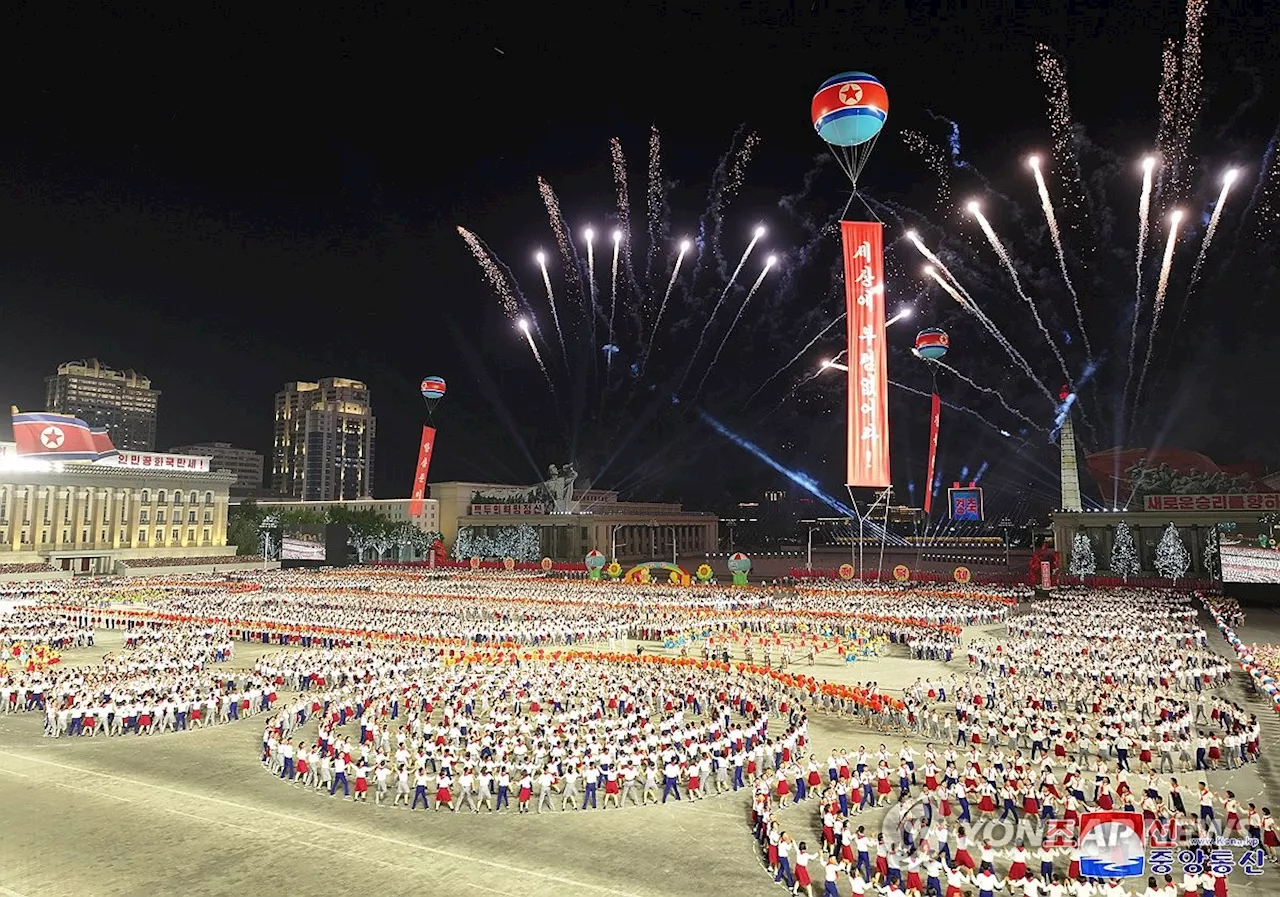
(1262,198)
(967,302)
(656,199)
(702,337)
(551,298)
(807,346)
(769,263)
(1227,180)
(1168,101)
(1162,287)
(567,252)
(952,405)
(1005,258)
(613,295)
(987,389)
(935,159)
(524,328)
(1144,227)
(1190,91)
(1054,76)
(590,237)
(738,170)
(624,197)
(506,297)
(725,184)
(829,364)
(1054,234)
(1144,230)
(675,272)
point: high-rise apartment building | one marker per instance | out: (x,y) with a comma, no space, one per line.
(324,439)
(245,463)
(121,401)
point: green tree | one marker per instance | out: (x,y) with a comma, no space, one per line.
(242,527)
(291,518)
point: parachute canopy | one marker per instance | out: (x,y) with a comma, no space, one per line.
(849,111)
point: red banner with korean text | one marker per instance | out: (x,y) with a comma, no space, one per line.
(425,447)
(868,400)
(935,418)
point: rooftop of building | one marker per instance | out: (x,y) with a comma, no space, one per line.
(92,367)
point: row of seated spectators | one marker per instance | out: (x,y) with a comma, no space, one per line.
(133,563)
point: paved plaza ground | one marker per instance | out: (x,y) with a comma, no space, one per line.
(195,813)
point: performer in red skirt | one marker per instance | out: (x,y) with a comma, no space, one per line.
(802,868)
(444,791)
(1018,863)
(1030,805)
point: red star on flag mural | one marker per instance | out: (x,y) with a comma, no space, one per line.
(850,94)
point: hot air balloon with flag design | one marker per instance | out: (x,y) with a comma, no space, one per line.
(432,390)
(849,111)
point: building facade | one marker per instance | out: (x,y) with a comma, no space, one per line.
(597,520)
(394,509)
(1193,515)
(324,439)
(245,464)
(84,518)
(121,401)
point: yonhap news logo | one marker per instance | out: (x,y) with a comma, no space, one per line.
(1111,845)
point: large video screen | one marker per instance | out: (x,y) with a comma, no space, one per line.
(303,543)
(966,503)
(1248,553)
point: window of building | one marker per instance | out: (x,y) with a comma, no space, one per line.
(194,498)
(103,538)
(191,516)
(160,516)
(143,517)
(177,497)
(206,535)
(66,536)
(24,537)
(84,536)
(142,536)
(208,516)
(208,498)
(44,537)
(176,535)
(87,511)
(160,496)
(146,496)
(191,537)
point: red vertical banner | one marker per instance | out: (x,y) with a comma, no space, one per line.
(868,399)
(935,418)
(425,447)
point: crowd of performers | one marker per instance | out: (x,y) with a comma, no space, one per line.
(161,681)
(1089,702)
(465,693)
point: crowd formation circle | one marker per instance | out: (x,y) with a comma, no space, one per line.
(512,694)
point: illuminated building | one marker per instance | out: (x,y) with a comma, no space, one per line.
(394,509)
(324,440)
(121,401)
(595,519)
(246,464)
(84,517)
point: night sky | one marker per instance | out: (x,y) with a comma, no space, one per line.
(229,202)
